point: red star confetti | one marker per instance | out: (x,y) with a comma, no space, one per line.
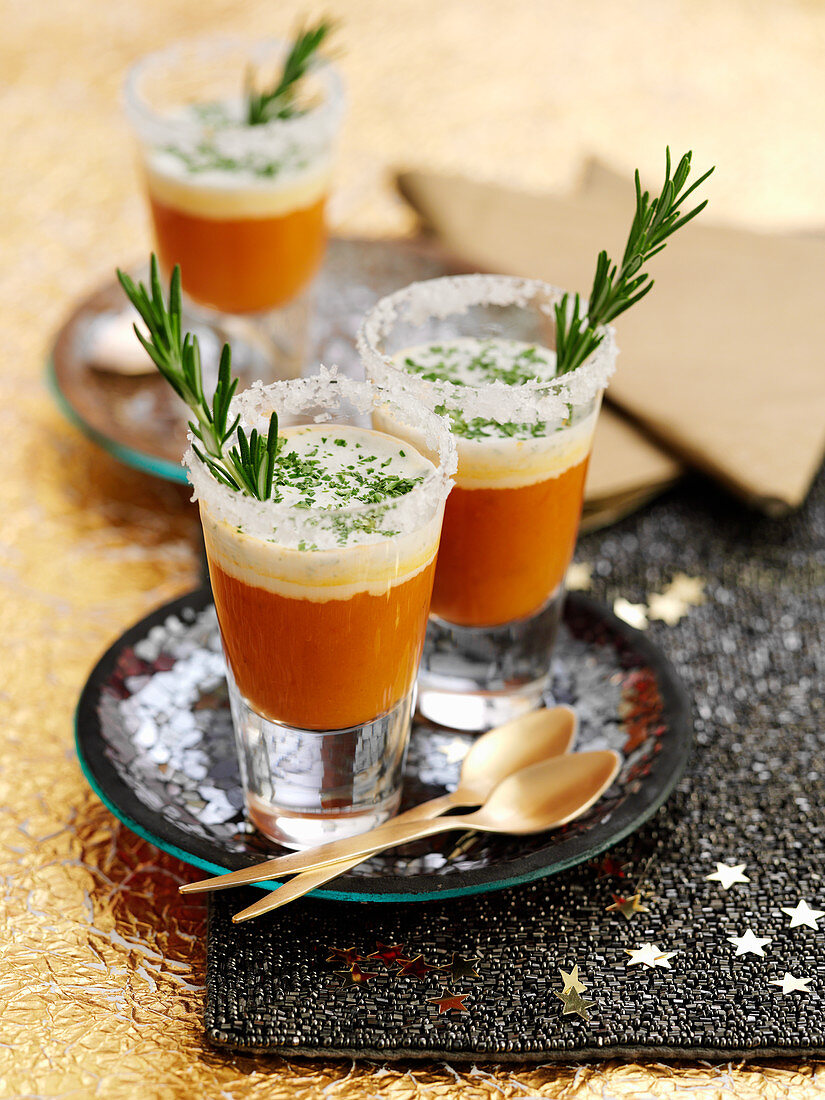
(451,1004)
(346,955)
(355,976)
(612,866)
(414,968)
(388,953)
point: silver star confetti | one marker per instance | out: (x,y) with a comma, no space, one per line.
(749,943)
(727,874)
(790,984)
(803,914)
(649,955)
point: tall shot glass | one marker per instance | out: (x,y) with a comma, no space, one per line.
(240,207)
(322,604)
(524,437)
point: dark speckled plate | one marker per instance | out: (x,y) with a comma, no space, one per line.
(155,740)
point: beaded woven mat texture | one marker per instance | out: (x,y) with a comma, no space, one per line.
(101,961)
(753,657)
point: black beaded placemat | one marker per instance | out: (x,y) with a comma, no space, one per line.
(753,657)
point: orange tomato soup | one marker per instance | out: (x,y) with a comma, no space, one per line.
(505,551)
(241,265)
(323,664)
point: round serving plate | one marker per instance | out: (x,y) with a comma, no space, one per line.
(154,737)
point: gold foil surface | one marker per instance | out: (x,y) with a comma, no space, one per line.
(101,961)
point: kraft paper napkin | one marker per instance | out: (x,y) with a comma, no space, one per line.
(722,364)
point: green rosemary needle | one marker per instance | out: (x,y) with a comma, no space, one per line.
(249,465)
(618,287)
(278,101)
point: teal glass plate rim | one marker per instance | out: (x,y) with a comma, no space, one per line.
(129,456)
(668,766)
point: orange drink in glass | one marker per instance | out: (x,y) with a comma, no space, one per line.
(322,594)
(479,350)
(239,206)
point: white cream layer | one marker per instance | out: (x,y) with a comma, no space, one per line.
(504,462)
(341,573)
(219,197)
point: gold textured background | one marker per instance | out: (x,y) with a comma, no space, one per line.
(101,962)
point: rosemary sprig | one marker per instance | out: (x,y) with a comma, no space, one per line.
(616,288)
(249,465)
(278,101)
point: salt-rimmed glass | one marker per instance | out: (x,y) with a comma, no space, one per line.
(322,614)
(511,522)
(239,207)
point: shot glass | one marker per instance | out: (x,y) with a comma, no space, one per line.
(240,207)
(479,350)
(322,600)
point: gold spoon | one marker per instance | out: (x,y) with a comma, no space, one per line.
(535,799)
(492,757)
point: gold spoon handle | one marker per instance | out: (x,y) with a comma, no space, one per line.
(307,881)
(365,844)
(296,888)
(273,868)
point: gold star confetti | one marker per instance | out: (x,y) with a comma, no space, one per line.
(387,952)
(666,608)
(727,874)
(673,604)
(634,614)
(572,981)
(749,943)
(451,1004)
(573,1003)
(460,969)
(346,955)
(454,751)
(628,906)
(414,968)
(355,976)
(579,576)
(649,955)
(689,589)
(803,914)
(790,984)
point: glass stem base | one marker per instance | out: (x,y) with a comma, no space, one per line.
(271,346)
(474,678)
(305,787)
